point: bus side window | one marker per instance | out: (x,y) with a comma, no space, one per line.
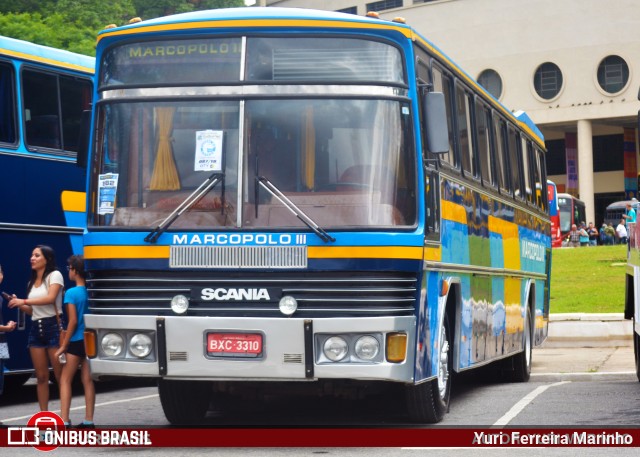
(432,199)
(514,166)
(8,108)
(502,171)
(483,142)
(527,168)
(541,177)
(442,83)
(463,116)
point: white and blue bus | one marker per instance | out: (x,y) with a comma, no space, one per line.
(43,94)
(296,201)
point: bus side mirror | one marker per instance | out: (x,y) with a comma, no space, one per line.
(435,118)
(83,139)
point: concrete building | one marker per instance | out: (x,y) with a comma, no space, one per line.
(572,65)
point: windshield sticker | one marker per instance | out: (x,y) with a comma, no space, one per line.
(208,150)
(107,186)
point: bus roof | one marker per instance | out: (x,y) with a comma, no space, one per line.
(622,204)
(303,18)
(564,195)
(26,51)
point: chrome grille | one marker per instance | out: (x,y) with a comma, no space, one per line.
(319,293)
(238,257)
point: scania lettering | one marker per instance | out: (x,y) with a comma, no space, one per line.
(235,294)
(333,209)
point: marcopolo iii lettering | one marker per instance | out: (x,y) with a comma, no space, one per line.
(236,294)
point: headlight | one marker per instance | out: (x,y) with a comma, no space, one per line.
(112,344)
(367,348)
(179,304)
(140,345)
(288,305)
(335,348)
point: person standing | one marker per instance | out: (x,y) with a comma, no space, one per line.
(611,234)
(621,232)
(574,236)
(44,305)
(630,215)
(8,327)
(593,234)
(584,236)
(75,300)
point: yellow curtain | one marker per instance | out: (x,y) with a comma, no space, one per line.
(309,150)
(165,175)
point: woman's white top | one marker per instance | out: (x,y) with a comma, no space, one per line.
(42,311)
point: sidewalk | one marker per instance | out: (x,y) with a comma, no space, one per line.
(589,330)
(585,347)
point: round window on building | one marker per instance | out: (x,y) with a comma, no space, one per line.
(613,74)
(491,80)
(548,80)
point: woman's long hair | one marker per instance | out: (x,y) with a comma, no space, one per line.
(50,256)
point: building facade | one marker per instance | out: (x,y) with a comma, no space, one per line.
(572,65)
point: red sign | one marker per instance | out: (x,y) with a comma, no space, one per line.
(234,344)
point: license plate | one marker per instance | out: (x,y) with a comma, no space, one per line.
(234,344)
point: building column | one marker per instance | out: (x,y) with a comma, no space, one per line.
(585,168)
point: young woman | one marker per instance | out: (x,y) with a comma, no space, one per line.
(73,345)
(43,302)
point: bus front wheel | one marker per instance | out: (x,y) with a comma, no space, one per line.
(429,401)
(184,402)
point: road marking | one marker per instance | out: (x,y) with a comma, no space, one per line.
(107,403)
(522,404)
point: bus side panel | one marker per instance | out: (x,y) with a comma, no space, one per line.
(35,187)
(484,243)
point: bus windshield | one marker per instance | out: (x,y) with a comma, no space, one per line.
(344,162)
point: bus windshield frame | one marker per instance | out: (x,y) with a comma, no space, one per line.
(339,147)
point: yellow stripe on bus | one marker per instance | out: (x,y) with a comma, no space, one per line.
(126,252)
(257,23)
(314,252)
(56,63)
(365,252)
(454,212)
(74,201)
(433,254)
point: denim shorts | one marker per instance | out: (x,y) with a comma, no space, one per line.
(44,333)
(76,348)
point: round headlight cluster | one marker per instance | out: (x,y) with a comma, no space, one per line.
(112,344)
(367,348)
(140,345)
(335,348)
(179,304)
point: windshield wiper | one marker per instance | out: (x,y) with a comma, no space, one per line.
(273,190)
(208,184)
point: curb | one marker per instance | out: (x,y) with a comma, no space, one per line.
(589,330)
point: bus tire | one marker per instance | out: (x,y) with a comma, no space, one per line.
(184,402)
(429,401)
(522,361)
(636,349)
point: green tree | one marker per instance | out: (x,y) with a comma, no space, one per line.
(74,24)
(149,9)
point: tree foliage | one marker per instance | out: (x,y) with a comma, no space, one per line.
(74,24)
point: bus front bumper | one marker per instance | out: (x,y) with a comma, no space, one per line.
(201,348)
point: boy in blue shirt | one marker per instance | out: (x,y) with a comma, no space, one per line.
(75,300)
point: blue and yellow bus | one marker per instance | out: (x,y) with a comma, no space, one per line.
(43,94)
(296,201)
